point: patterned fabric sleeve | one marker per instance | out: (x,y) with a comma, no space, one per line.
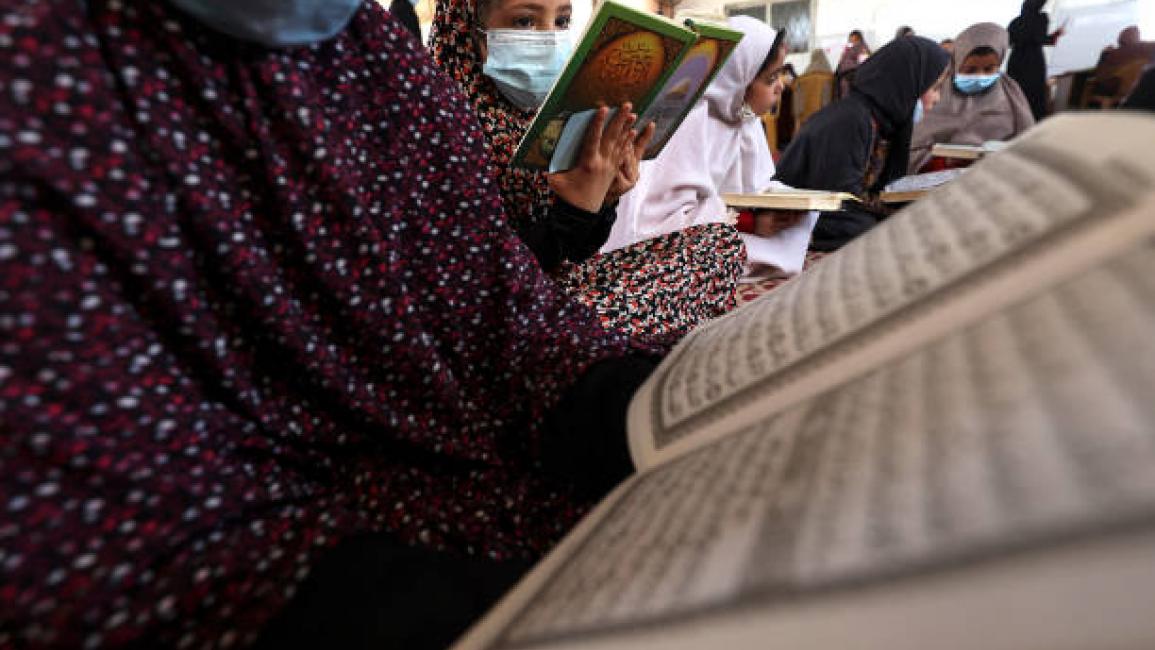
(252,302)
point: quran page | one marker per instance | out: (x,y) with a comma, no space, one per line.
(1072,192)
(1008,462)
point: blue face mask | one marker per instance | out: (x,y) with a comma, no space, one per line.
(274,23)
(524,63)
(919,111)
(972,84)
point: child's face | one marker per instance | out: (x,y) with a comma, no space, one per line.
(763,93)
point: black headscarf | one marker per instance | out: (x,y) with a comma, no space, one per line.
(833,149)
(1030,27)
(1033,7)
(892,81)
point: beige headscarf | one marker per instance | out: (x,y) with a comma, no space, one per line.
(1000,113)
(819,62)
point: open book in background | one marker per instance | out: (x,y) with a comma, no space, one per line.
(784,198)
(625,55)
(942,436)
(966,151)
(914,187)
(904,190)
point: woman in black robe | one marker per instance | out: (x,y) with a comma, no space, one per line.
(1027,65)
(862,142)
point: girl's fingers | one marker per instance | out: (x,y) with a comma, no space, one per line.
(616,126)
(643,142)
(591,143)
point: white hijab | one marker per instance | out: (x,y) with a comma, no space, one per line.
(719,148)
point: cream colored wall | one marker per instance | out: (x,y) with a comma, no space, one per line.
(938,19)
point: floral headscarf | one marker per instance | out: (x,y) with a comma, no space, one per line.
(454,44)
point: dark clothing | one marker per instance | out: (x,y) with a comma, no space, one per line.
(1143,97)
(1027,65)
(403,11)
(847,135)
(568,234)
(584,436)
(834,149)
(784,124)
(372,591)
(255,302)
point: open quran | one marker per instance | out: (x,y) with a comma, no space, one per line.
(942,436)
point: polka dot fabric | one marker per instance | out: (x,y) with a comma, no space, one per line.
(633,292)
(753,290)
(658,289)
(251,302)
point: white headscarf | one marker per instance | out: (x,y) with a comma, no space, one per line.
(719,148)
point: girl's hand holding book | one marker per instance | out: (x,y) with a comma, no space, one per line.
(603,149)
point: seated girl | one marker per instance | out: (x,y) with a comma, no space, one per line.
(659,287)
(720,148)
(862,142)
(980,103)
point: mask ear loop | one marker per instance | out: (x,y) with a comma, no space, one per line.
(480,40)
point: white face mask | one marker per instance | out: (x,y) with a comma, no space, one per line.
(524,63)
(919,112)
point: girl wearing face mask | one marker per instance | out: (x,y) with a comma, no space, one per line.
(862,142)
(979,103)
(505,54)
(721,147)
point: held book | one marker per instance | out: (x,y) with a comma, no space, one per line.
(957,151)
(790,199)
(625,55)
(941,436)
(967,151)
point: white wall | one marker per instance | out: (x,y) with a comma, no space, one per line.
(1093,23)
